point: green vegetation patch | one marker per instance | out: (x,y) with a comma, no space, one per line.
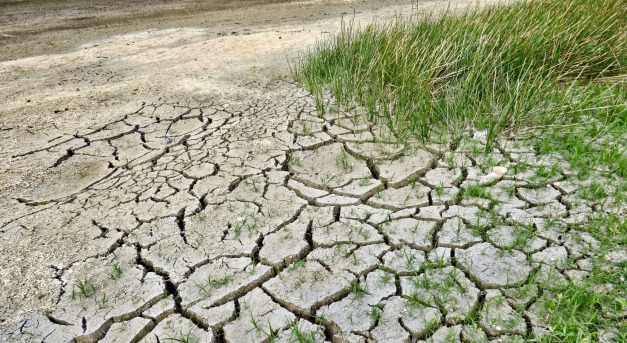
(531,64)
(594,307)
(552,72)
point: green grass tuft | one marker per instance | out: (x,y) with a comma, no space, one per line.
(501,68)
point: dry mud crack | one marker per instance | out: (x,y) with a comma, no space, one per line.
(240,222)
(261,220)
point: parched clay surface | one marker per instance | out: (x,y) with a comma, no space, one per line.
(247,216)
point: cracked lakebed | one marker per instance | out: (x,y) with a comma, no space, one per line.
(237,222)
(257,219)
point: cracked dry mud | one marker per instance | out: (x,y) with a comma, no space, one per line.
(230,222)
(258,219)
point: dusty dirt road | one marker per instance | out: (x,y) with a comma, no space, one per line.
(161,176)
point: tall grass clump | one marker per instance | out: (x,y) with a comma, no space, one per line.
(554,71)
(528,64)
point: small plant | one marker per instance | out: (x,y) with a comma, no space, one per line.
(328,178)
(522,236)
(237,228)
(385,278)
(271,334)
(253,182)
(477,191)
(182,338)
(84,288)
(255,324)
(219,282)
(358,289)
(364,182)
(431,328)
(458,229)
(375,313)
(117,270)
(294,160)
(510,190)
(547,172)
(451,337)
(407,198)
(320,317)
(343,161)
(103,303)
(416,300)
(253,268)
(595,191)
(439,190)
(300,336)
(297,264)
(202,217)
(440,260)
(212,283)
(410,259)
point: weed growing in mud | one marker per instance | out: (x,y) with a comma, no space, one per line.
(320,318)
(181,338)
(328,178)
(386,278)
(409,258)
(83,288)
(595,191)
(297,264)
(254,323)
(358,289)
(254,183)
(104,302)
(211,283)
(545,172)
(477,191)
(271,334)
(117,270)
(300,336)
(439,190)
(375,313)
(294,160)
(365,182)
(343,161)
